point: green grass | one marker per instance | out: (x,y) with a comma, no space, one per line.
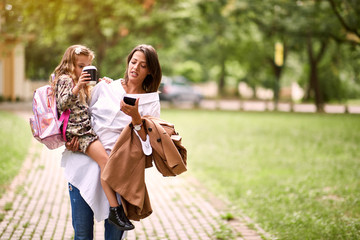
(297,175)
(353,102)
(15,136)
(8,206)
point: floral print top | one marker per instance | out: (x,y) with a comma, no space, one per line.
(79,121)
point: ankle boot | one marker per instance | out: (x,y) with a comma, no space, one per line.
(117,217)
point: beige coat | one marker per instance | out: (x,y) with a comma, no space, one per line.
(125,170)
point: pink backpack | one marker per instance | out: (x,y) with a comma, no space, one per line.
(45,124)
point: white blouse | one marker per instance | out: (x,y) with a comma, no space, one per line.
(108,121)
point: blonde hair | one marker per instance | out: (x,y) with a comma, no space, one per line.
(67,67)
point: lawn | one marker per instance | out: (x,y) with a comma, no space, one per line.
(297,175)
(15,136)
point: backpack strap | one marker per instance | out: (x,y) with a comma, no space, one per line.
(65,117)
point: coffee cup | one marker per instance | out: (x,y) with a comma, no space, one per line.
(93,74)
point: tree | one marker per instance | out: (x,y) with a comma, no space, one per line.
(218,39)
(348,14)
(304,26)
(110,27)
(224,39)
(270,18)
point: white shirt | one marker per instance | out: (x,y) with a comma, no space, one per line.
(108,121)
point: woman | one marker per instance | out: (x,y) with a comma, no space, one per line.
(109,115)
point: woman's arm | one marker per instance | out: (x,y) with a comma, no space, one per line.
(153,109)
(73,145)
(133,112)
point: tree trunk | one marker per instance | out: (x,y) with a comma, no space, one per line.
(319,102)
(222,78)
(277,70)
(277,73)
(314,84)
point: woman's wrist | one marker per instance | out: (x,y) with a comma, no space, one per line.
(136,120)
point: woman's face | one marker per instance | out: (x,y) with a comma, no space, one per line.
(81,62)
(138,69)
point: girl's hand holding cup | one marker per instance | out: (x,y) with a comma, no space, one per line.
(84,78)
(82,81)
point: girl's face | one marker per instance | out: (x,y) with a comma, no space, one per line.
(138,69)
(81,62)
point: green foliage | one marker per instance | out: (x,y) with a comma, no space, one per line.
(225,41)
(331,86)
(224,232)
(14,144)
(190,69)
(111,28)
(297,175)
(228,216)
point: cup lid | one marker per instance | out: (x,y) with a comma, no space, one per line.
(89,67)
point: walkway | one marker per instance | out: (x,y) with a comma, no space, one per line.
(36,206)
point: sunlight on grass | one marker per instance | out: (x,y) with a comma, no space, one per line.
(15,137)
(297,175)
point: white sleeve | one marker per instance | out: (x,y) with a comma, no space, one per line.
(95,93)
(154,109)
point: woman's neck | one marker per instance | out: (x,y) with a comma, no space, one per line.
(132,89)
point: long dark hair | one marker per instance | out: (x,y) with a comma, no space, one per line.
(152,81)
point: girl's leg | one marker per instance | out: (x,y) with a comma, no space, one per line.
(97,152)
(117,215)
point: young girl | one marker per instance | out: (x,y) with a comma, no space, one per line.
(72,92)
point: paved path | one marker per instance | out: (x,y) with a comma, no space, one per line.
(36,206)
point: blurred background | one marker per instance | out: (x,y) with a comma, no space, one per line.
(275,50)
(297,175)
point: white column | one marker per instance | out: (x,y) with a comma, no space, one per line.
(19,71)
(1,78)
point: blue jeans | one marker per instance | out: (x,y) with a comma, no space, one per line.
(83,219)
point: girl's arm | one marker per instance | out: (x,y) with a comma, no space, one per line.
(83,79)
(64,96)
(67,93)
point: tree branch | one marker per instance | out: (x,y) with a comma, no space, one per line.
(321,52)
(341,19)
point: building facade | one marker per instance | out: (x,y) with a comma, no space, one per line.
(13,85)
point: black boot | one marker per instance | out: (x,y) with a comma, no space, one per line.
(117,217)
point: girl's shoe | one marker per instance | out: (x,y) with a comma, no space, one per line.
(117,217)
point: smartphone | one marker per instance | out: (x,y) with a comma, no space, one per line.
(129,100)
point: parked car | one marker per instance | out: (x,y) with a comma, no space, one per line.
(178,89)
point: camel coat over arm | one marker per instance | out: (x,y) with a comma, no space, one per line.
(125,170)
